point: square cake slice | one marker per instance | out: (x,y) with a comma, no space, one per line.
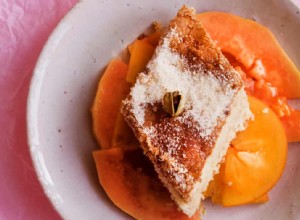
(186,108)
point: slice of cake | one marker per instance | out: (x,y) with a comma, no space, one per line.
(186,108)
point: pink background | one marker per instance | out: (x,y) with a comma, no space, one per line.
(24,28)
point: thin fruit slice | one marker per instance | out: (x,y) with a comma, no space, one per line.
(152,39)
(141,53)
(112,88)
(123,134)
(267,71)
(291,124)
(253,45)
(131,183)
(212,189)
(255,160)
(262,199)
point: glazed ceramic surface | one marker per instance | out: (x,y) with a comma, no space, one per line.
(64,84)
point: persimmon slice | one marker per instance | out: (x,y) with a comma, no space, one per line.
(254,161)
(112,89)
(256,48)
(131,182)
(123,135)
(267,71)
(141,53)
(291,124)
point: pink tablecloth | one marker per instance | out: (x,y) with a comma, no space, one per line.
(24,28)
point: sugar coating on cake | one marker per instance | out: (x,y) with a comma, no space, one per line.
(206,96)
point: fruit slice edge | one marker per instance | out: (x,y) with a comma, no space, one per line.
(112,89)
(257,155)
(249,41)
(132,185)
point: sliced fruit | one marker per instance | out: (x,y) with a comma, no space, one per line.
(112,88)
(291,124)
(130,47)
(262,199)
(152,39)
(123,134)
(255,160)
(255,48)
(141,53)
(131,183)
(212,189)
(267,71)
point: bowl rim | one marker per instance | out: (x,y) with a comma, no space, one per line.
(38,74)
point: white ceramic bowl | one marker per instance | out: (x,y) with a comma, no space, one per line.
(64,84)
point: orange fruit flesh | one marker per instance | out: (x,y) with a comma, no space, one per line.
(255,160)
(267,71)
(123,134)
(256,48)
(141,53)
(112,88)
(131,183)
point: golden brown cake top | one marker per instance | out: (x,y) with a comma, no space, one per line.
(193,43)
(186,61)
